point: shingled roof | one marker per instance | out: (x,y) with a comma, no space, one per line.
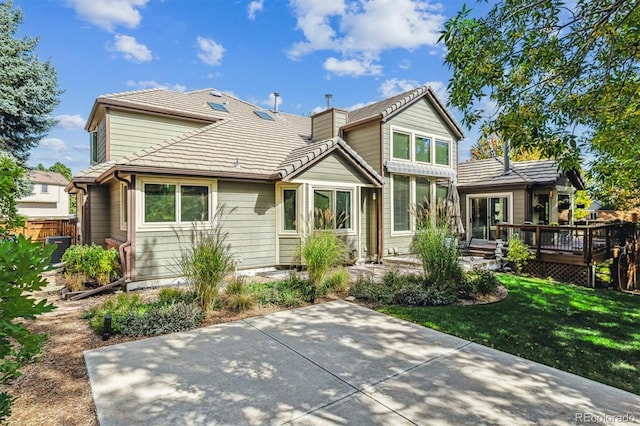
(387,108)
(50,178)
(491,172)
(235,144)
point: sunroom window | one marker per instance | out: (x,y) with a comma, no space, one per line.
(289,213)
(332,209)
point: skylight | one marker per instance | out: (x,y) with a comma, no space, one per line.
(218,107)
(263,115)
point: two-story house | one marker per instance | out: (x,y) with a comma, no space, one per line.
(164,161)
(48,199)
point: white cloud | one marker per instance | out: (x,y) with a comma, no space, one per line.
(352,67)
(131,50)
(108,14)
(360,29)
(254,7)
(152,84)
(210,52)
(267,102)
(54,144)
(440,88)
(404,64)
(71,122)
(396,86)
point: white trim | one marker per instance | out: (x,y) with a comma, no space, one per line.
(141,225)
(434,138)
(352,230)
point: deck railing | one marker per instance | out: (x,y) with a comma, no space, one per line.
(591,242)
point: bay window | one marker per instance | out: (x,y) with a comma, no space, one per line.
(332,209)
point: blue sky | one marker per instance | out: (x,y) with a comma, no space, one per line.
(359,51)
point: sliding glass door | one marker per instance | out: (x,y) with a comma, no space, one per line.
(485,212)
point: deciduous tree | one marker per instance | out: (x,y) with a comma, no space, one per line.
(563,77)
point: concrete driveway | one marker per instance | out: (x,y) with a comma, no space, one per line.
(337,363)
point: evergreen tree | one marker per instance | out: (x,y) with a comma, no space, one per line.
(28,89)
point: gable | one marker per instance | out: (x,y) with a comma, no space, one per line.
(423,117)
(335,169)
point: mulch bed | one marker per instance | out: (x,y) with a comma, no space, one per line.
(56,390)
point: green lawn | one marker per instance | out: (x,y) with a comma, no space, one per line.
(591,333)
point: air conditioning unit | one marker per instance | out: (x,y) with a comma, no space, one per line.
(63,242)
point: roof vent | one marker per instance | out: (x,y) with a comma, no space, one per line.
(276,95)
(215,93)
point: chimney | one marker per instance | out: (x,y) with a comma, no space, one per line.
(328,97)
(507,161)
(276,95)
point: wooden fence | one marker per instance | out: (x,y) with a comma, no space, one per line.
(39,230)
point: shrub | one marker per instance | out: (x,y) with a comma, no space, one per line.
(118,307)
(439,256)
(21,263)
(369,290)
(518,253)
(320,251)
(238,296)
(170,295)
(162,319)
(205,262)
(483,282)
(290,292)
(338,280)
(90,262)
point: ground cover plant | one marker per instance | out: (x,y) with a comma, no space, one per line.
(588,332)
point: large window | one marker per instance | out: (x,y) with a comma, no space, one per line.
(332,209)
(176,203)
(401,203)
(93,144)
(414,194)
(411,146)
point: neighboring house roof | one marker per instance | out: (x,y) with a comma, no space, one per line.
(488,172)
(236,144)
(50,178)
(387,108)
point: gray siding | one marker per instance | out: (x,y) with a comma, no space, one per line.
(366,142)
(322,126)
(116,232)
(130,132)
(99,197)
(252,225)
(289,250)
(333,169)
(248,219)
(102,142)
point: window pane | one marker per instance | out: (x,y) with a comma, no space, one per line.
(401,203)
(442,153)
(343,209)
(401,143)
(423,149)
(289,209)
(125,204)
(323,214)
(423,192)
(442,190)
(159,202)
(194,203)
